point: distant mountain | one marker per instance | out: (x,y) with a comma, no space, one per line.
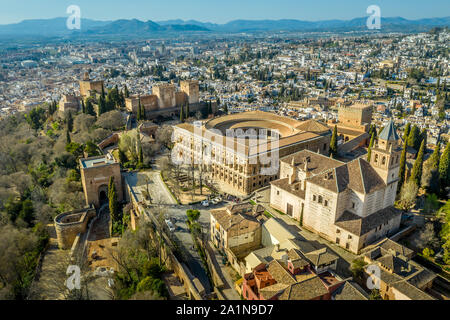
(46,27)
(387,24)
(57,27)
(134,27)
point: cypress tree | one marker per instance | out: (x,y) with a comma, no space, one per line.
(434,159)
(139,111)
(333,143)
(430,177)
(414,138)
(83,107)
(416,173)
(181,114)
(225,109)
(444,168)
(125,92)
(141,156)
(187,110)
(142,112)
(369,150)
(122,157)
(406,132)
(101,105)
(68,140)
(113,205)
(402,171)
(423,136)
(90,108)
(69,121)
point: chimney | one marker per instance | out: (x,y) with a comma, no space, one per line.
(292,176)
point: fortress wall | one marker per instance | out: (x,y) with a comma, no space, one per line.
(69,224)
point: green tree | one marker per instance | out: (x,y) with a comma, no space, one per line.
(91,149)
(74,148)
(139,111)
(36,118)
(113,204)
(427,252)
(193,215)
(122,157)
(406,132)
(444,169)
(402,170)
(357,269)
(126,93)
(68,140)
(369,150)
(416,173)
(414,138)
(90,107)
(141,156)
(181,114)
(69,121)
(430,176)
(333,143)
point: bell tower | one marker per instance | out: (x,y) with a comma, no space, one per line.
(385,158)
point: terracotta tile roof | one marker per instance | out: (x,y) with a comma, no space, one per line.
(349,291)
(359,226)
(357,175)
(236,223)
(286,186)
(306,290)
(279,272)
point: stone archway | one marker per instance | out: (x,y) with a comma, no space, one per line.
(103,194)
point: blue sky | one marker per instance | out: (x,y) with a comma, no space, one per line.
(220,11)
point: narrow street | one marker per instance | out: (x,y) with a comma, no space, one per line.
(161,197)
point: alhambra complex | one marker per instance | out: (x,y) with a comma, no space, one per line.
(239,161)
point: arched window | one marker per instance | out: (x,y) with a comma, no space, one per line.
(376,158)
(320,199)
(383,161)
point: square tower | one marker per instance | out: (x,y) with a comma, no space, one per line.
(385,157)
(190,88)
(95,175)
(166,95)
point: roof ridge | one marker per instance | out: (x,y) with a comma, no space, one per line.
(362,177)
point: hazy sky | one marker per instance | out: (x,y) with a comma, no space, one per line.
(220,11)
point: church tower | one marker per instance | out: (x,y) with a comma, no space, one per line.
(385,158)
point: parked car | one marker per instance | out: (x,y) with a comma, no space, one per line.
(170,225)
(205,203)
(216,200)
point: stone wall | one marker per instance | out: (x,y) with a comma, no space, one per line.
(69,224)
(96,178)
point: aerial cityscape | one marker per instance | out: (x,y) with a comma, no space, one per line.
(261,156)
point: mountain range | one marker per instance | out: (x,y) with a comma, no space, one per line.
(134,27)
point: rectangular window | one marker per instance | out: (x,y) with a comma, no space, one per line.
(353,205)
